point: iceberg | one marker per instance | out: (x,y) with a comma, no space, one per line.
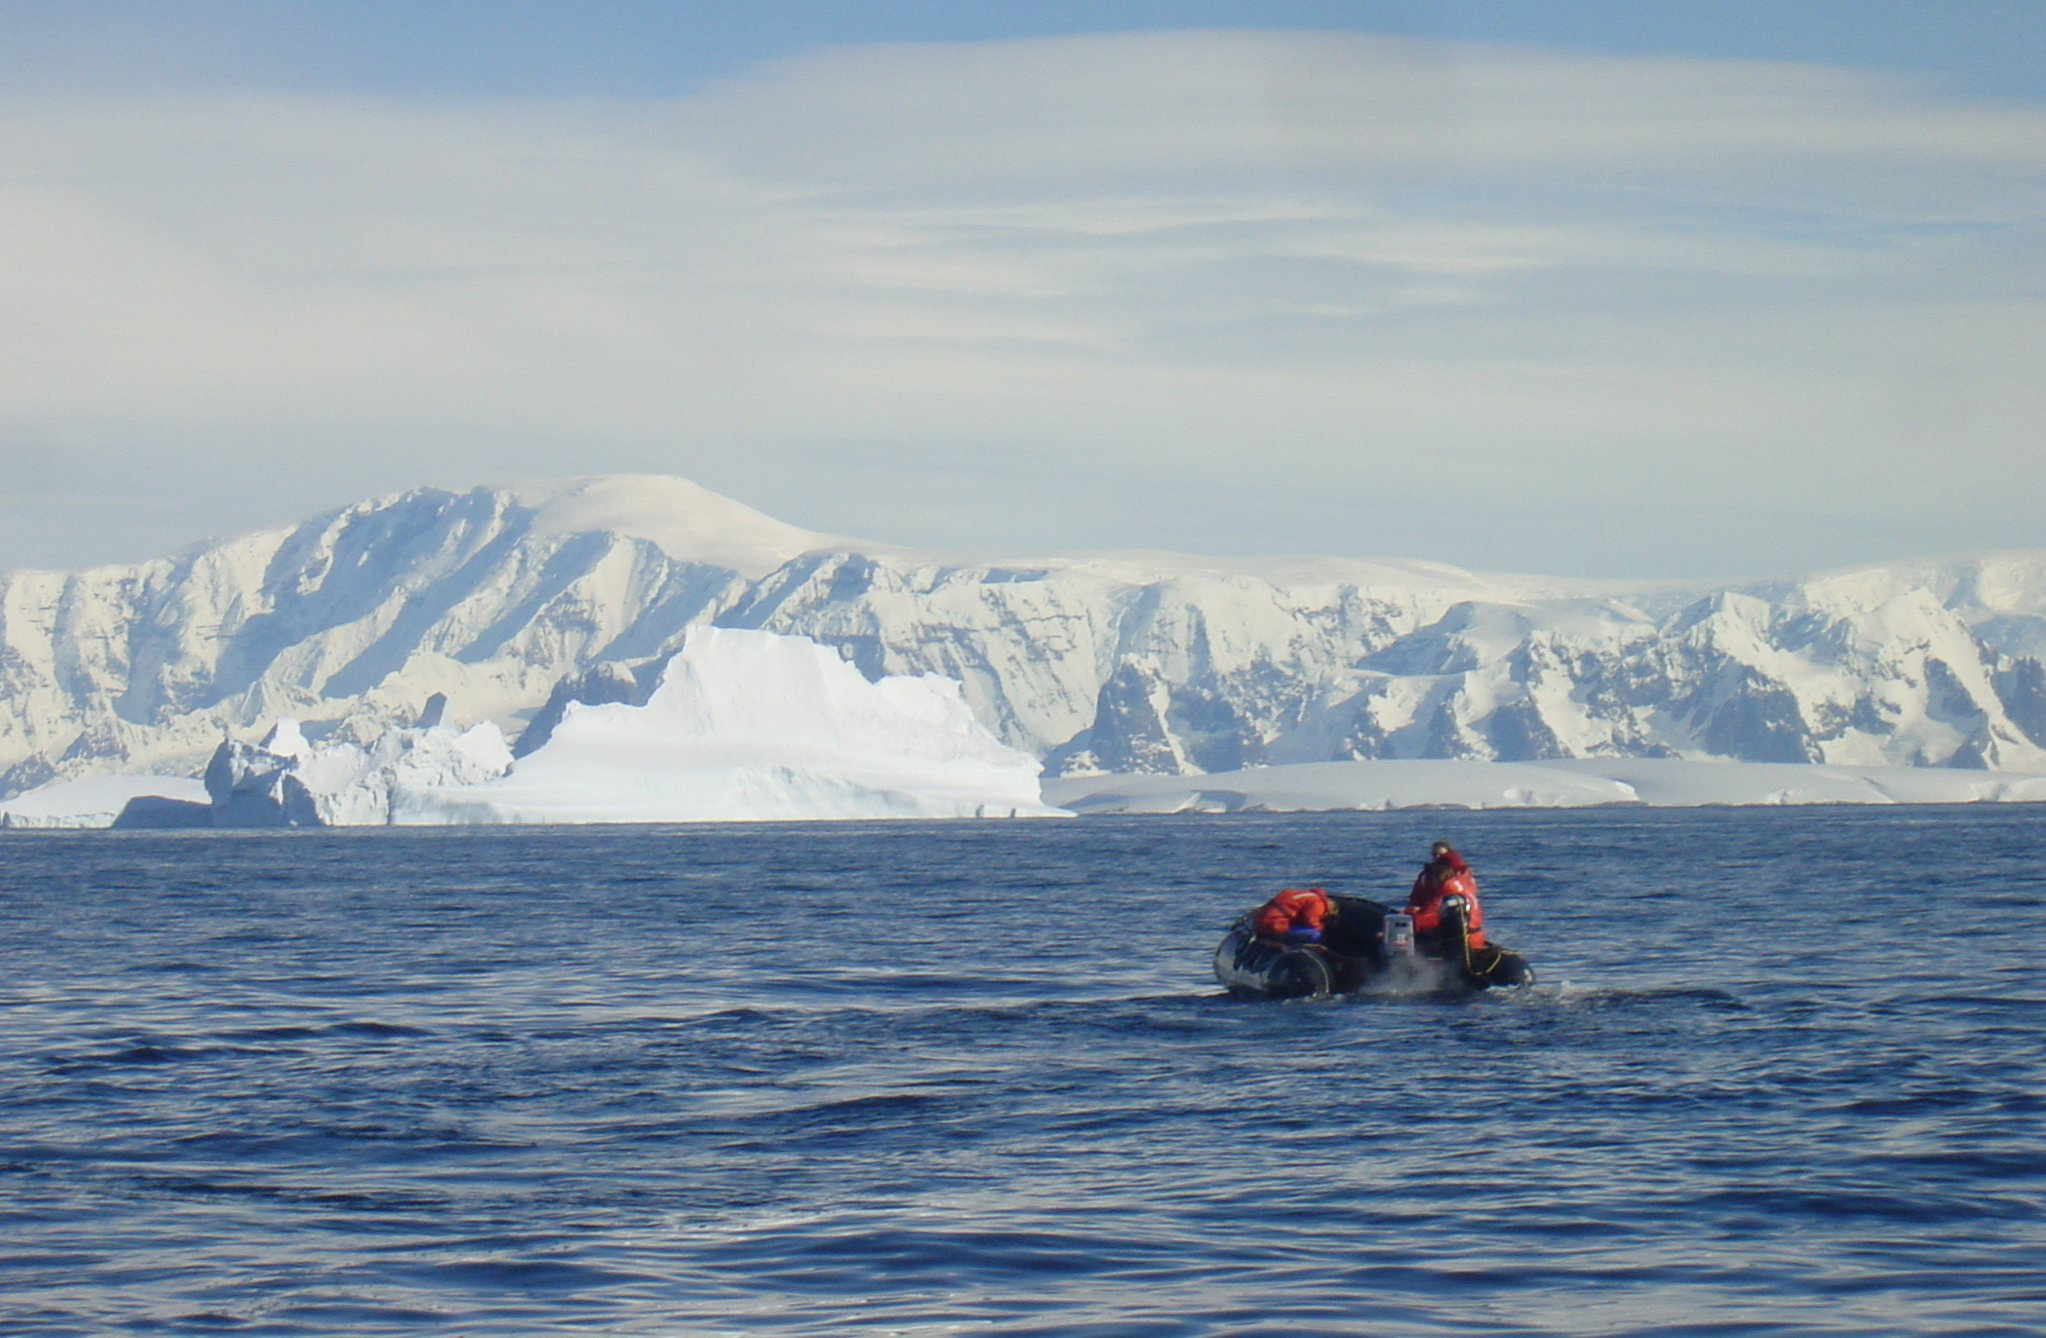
(747,726)
(742,726)
(287,781)
(97,801)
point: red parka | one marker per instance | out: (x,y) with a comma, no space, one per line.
(1295,908)
(1446,876)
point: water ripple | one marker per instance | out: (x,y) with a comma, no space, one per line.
(523,1082)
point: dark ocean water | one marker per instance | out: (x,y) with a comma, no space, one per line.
(1785,1073)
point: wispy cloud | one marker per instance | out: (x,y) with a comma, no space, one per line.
(1617,308)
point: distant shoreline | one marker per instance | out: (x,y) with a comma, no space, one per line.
(1418,785)
(1394,786)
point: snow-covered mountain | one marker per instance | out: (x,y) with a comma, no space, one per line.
(512,601)
(352,620)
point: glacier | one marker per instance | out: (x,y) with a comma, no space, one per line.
(516,604)
(1384,786)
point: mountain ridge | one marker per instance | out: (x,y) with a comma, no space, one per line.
(502,600)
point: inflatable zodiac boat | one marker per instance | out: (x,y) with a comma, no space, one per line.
(1367,948)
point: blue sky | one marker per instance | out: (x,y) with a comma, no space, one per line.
(636,48)
(1634,290)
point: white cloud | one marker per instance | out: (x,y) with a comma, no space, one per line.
(1263,290)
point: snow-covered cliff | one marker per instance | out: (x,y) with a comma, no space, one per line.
(503,599)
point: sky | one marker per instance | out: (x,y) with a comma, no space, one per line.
(1642,291)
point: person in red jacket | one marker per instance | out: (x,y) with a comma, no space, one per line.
(1445,875)
(1296,915)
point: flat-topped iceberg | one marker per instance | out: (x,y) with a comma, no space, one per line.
(752,727)
(97,800)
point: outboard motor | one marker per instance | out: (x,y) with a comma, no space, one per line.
(1399,935)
